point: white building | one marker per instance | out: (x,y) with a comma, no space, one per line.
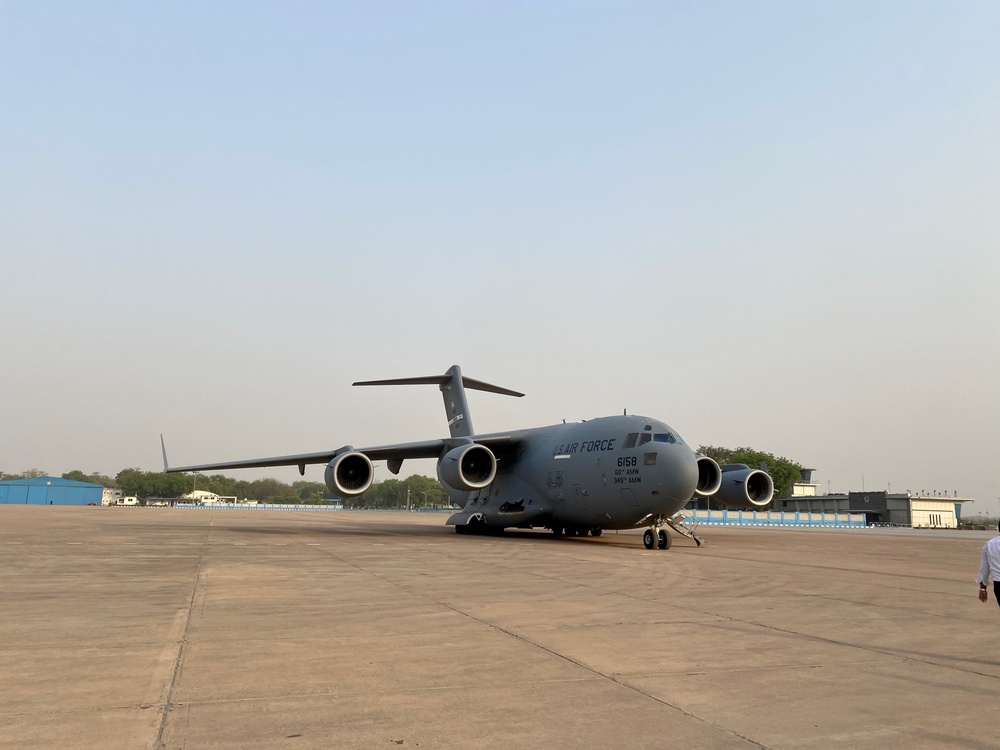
(201,497)
(111,496)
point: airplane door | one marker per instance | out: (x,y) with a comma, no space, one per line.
(581,501)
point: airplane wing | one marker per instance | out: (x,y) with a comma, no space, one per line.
(395,454)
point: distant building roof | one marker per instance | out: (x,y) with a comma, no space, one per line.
(48,481)
(198,495)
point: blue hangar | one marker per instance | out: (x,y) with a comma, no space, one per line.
(49,491)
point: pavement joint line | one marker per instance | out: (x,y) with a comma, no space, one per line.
(868,649)
(730,618)
(523,639)
(182,645)
(618,680)
(700,584)
(297,696)
(885,651)
(399,691)
(861,572)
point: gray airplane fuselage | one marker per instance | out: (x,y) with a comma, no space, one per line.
(610,472)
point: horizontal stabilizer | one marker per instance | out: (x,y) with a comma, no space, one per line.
(453,385)
(476,385)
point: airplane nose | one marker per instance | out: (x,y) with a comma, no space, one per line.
(678,473)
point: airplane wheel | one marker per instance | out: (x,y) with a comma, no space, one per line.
(596,531)
(648,539)
(663,539)
(557,531)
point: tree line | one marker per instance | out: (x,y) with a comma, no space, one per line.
(415,491)
(783,471)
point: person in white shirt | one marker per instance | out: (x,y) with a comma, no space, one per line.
(989,566)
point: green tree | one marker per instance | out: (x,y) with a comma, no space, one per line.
(388,494)
(392,493)
(782,470)
(309,490)
(219,484)
(147,484)
(78,476)
(262,489)
(29,474)
(426,492)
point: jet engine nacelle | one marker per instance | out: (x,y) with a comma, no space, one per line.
(744,488)
(349,474)
(468,467)
(709,476)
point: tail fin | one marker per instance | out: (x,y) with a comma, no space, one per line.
(453,386)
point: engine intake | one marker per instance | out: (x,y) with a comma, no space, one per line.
(744,488)
(349,474)
(709,476)
(468,467)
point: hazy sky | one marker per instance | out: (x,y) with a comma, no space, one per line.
(773,224)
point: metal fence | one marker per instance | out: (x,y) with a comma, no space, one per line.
(227,506)
(774,518)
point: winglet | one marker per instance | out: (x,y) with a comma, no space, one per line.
(163,445)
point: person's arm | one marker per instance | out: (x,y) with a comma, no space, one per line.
(984,572)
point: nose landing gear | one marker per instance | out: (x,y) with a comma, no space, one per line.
(656,537)
(663,539)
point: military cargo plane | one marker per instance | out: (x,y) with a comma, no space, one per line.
(619,472)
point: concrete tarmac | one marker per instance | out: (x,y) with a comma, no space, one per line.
(197,629)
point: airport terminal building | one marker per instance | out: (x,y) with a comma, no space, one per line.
(921,511)
(884,508)
(49,491)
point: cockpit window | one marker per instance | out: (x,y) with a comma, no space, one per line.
(635,438)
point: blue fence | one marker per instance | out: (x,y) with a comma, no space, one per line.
(228,506)
(706,517)
(774,518)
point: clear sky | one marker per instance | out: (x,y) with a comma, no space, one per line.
(772,224)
